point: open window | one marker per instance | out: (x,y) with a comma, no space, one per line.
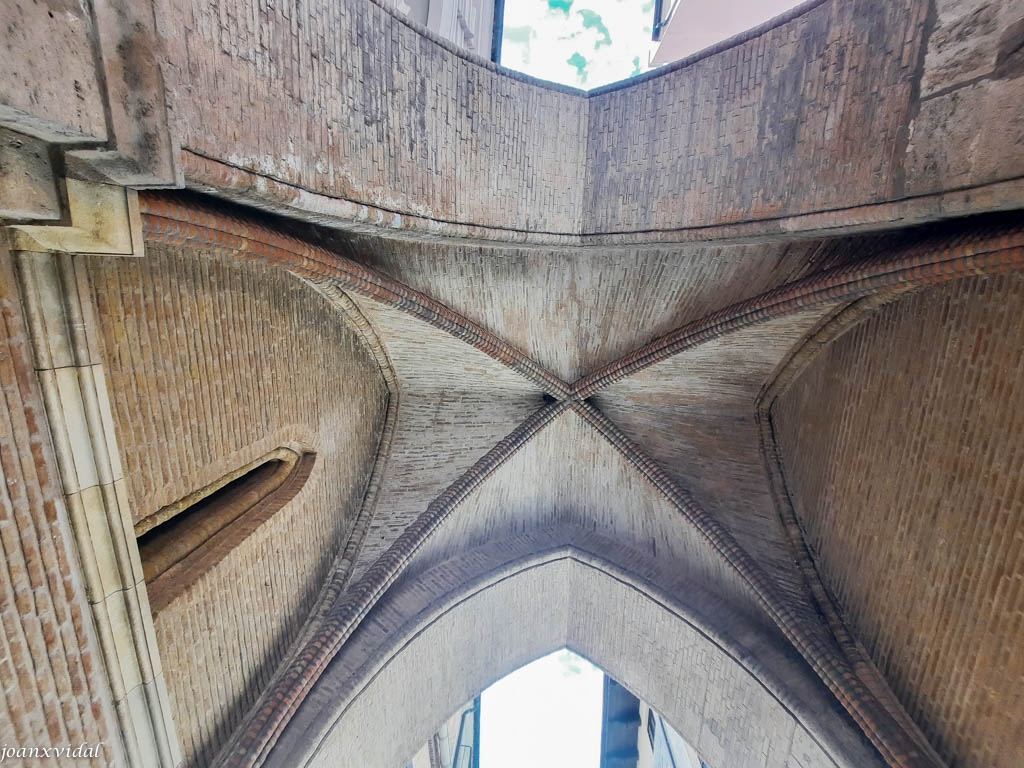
(184,540)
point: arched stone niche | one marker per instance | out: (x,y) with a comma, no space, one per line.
(425,649)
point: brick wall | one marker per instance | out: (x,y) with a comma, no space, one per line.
(847,104)
(902,449)
(54,688)
(345,99)
(213,363)
(805,117)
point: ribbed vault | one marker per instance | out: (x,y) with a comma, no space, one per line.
(614,336)
(653,450)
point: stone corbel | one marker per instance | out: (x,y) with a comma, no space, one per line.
(28,189)
(101,219)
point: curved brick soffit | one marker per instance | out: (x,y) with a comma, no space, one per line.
(342,567)
(933,260)
(220,178)
(802,355)
(167,218)
(991,250)
(478,569)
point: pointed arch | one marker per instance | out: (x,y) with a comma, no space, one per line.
(730,685)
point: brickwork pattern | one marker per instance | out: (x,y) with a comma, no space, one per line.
(401,123)
(847,114)
(574,311)
(169,219)
(575,602)
(707,394)
(942,255)
(213,363)
(831,116)
(901,448)
(599,490)
(412,603)
(772,127)
(820,117)
(54,688)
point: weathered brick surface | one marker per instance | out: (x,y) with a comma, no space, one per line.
(848,104)
(937,255)
(451,396)
(211,364)
(345,99)
(574,311)
(804,117)
(843,106)
(54,688)
(902,448)
(596,490)
(694,414)
(48,71)
(214,362)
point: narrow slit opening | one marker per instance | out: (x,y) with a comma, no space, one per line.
(185,539)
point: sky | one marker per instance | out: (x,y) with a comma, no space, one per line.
(590,43)
(544,715)
(583,43)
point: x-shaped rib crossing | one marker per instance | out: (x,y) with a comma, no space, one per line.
(852,679)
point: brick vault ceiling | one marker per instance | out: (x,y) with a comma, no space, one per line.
(611,391)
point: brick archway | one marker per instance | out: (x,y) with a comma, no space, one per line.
(728,683)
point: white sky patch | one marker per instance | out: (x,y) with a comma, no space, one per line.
(589,43)
(583,43)
(544,715)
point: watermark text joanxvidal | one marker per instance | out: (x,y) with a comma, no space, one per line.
(81,752)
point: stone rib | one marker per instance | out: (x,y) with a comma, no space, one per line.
(927,263)
(887,734)
(262,731)
(167,219)
(803,355)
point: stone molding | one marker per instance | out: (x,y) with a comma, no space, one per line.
(55,292)
(28,190)
(101,219)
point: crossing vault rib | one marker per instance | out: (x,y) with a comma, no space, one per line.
(853,681)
